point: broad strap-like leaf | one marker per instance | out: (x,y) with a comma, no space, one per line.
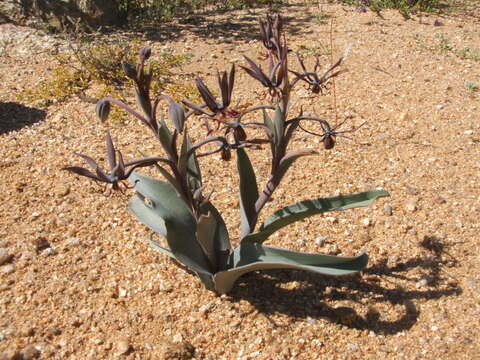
(112,161)
(169,178)
(307,208)
(248,192)
(161,201)
(279,123)
(157,246)
(83,172)
(144,102)
(205,277)
(289,159)
(150,218)
(165,137)
(269,124)
(193,168)
(183,159)
(175,114)
(206,229)
(250,257)
(222,245)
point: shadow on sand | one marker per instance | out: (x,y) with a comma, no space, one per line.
(15,116)
(315,295)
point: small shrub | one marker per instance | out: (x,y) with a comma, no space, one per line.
(179,208)
(98,65)
(153,11)
(405,7)
(443,43)
(471,54)
(472,86)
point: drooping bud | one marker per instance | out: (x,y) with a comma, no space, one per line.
(129,70)
(103,109)
(145,53)
(239,134)
(226,154)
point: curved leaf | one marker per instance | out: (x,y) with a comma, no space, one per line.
(289,159)
(206,229)
(222,245)
(279,124)
(150,218)
(307,208)
(248,192)
(156,246)
(251,257)
(157,201)
(269,124)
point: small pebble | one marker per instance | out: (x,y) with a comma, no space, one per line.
(387,208)
(41,243)
(439,199)
(30,353)
(471,284)
(366,222)
(35,214)
(4,256)
(205,308)
(352,347)
(49,252)
(8,269)
(73,241)
(180,351)
(421,283)
(122,347)
(468,132)
(411,205)
(51,332)
(320,240)
(411,190)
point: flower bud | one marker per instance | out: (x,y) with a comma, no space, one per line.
(103,109)
(226,154)
(129,70)
(239,134)
(145,52)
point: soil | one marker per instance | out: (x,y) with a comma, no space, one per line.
(79,281)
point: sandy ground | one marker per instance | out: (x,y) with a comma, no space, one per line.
(78,280)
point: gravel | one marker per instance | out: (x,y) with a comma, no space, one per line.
(272,314)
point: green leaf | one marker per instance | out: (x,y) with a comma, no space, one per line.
(269,124)
(165,137)
(289,159)
(169,178)
(206,229)
(162,203)
(222,245)
(156,245)
(248,192)
(307,208)
(150,218)
(144,102)
(279,123)
(254,256)
(183,159)
(193,168)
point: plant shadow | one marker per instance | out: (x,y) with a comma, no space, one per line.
(15,116)
(229,29)
(315,297)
